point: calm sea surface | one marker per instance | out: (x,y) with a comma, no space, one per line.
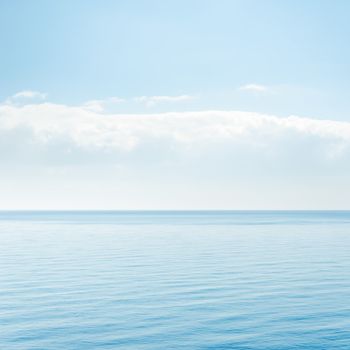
(174,280)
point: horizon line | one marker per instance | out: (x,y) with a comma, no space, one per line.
(174,210)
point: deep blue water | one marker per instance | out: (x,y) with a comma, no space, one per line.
(174,280)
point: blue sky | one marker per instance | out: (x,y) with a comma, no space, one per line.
(83,50)
(72,71)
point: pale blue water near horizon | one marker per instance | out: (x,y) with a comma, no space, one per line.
(253,280)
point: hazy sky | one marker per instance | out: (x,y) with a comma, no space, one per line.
(175,104)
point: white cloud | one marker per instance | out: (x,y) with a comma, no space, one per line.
(29,94)
(150,101)
(64,129)
(58,156)
(103,105)
(254,88)
(99,106)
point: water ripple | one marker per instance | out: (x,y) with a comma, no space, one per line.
(256,281)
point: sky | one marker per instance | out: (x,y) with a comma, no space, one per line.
(237,104)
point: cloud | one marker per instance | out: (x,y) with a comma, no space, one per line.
(254,88)
(48,131)
(151,101)
(99,106)
(28,94)
(59,156)
(102,105)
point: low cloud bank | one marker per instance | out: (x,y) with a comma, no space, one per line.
(47,130)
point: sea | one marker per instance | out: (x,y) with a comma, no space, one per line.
(162,280)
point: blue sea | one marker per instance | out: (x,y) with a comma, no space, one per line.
(257,280)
